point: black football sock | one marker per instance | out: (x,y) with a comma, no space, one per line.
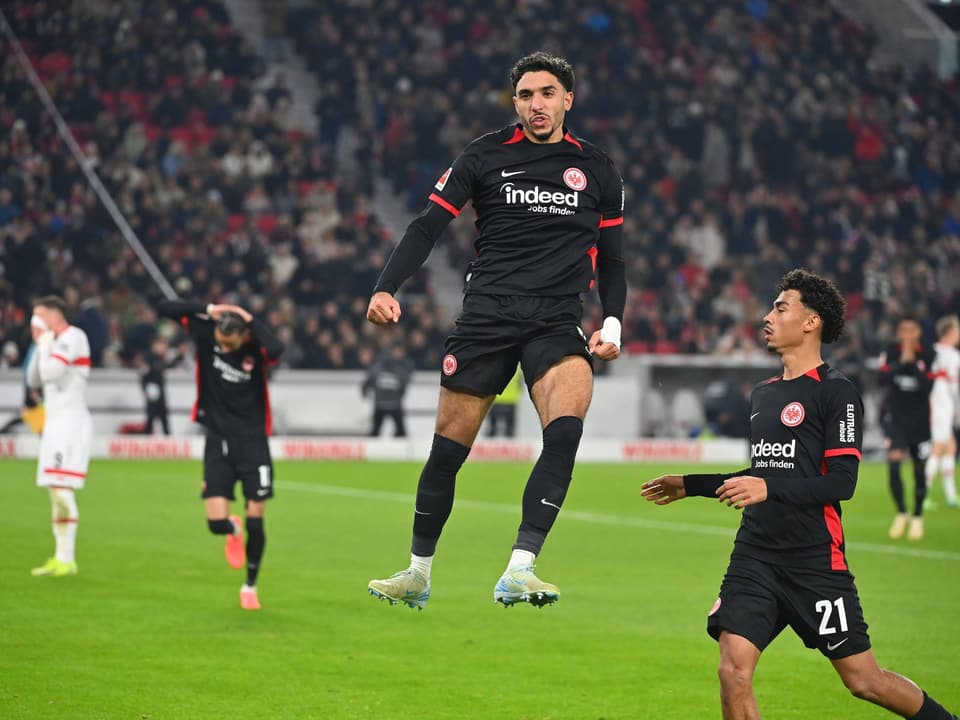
(920,487)
(896,486)
(435,491)
(256,542)
(547,486)
(221,527)
(932,710)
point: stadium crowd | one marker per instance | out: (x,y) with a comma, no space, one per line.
(753,136)
(191,137)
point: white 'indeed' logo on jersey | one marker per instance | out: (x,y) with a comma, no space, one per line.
(765,454)
(541,201)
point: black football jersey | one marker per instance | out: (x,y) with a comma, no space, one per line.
(539,211)
(796,426)
(232,395)
(907,388)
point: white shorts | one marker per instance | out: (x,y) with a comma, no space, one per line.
(65,450)
(941,421)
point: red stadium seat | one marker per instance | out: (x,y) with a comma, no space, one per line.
(183,134)
(267,222)
(665,347)
(137,102)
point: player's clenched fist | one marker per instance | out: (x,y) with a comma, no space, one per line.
(383,308)
(602,349)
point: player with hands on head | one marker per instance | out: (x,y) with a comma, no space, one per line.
(789,565)
(907,379)
(234,351)
(549,213)
(60,365)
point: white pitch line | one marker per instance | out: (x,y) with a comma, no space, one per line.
(599,518)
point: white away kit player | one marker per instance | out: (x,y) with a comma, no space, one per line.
(944,406)
(61,366)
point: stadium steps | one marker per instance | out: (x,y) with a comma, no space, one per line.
(248,20)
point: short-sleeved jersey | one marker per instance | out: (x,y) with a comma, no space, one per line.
(795,426)
(61,366)
(539,211)
(232,393)
(907,398)
(946,377)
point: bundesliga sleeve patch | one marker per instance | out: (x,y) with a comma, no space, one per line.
(442,182)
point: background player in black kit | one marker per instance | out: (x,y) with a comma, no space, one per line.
(549,214)
(905,375)
(233,352)
(789,565)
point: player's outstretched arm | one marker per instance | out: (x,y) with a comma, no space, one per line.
(177,309)
(263,333)
(216,311)
(664,489)
(407,257)
(383,308)
(668,488)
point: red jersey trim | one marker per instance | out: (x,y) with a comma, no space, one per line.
(572,140)
(592,254)
(267,414)
(837,560)
(61,358)
(194,411)
(517,136)
(843,451)
(84,361)
(444,204)
(61,521)
(59,471)
(815,374)
(612,222)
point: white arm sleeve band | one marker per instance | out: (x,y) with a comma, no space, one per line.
(610,332)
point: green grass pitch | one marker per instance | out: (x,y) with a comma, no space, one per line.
(151,628)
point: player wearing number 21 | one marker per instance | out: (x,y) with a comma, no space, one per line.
(233,352)
(789,564)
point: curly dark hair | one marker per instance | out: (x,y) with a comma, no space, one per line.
(535,62)
(821,296)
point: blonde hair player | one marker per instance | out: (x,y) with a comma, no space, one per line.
(944,407)
(61,365)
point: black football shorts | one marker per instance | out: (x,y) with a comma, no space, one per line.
(495,332)
(904,434)
(758,600)
(227,460)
